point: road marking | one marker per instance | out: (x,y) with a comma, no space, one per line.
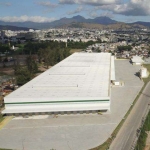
(15,128)
(5,122)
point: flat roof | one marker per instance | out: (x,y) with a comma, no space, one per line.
(137,59)
(81,76)
(113,77)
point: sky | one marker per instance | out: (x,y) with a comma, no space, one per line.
(50,10)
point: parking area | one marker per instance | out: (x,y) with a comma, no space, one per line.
(74,132)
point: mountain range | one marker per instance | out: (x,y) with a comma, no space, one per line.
(77,21)
(13,28)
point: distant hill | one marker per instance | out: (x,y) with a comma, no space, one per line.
(61,22)
(115,26)
(101,20)
(146,24)
(26,24)
(78,21)
(13,28)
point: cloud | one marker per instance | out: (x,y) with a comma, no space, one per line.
(67,1)
(132,8)
(25,18)
(5,4)
(78,10)
(107,14)
(47,4)
(94,14)
(89,2)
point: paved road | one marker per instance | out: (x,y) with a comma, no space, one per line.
(127,134)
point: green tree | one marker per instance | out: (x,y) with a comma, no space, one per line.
(5,61)
(66,52)
(122,48)
(40,55)
(22,75)
(47,56)
(31,64)
(61,55)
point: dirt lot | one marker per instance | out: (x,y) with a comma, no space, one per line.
(8,71)
(75,50)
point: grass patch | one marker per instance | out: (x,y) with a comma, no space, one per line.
(4,149)
(1,118)
(75,50)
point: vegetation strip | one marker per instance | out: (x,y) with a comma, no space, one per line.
(141,143)
(1,118)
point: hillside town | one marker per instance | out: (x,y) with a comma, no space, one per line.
(105,40)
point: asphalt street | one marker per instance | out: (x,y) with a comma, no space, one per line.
(128,133)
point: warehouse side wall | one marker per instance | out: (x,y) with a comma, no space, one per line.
(45,107)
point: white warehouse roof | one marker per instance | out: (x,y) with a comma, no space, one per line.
(82,77)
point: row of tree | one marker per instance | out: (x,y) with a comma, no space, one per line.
(80,45)
(48,54)
(124,48)
(25,73)
(52,56)
(34,47)
(4,49)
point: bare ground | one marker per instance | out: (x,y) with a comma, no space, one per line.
(148,141)
(9,71)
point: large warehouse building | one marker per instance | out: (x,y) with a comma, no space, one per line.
(81,82)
